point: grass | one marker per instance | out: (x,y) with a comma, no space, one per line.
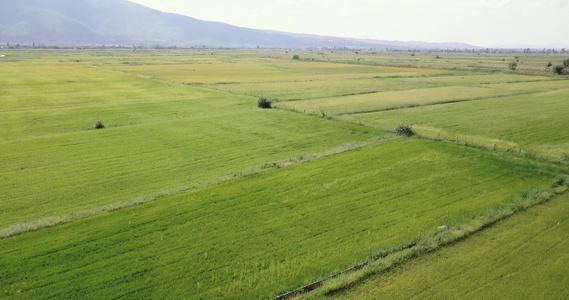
(62,173)
(479,61)
(522,256)
(537,124)
(262,234)
(337,86)
(391,100)
(252,203)
(158,137)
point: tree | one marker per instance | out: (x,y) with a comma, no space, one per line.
(563,68)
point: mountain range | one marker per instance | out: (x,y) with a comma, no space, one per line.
(120,22)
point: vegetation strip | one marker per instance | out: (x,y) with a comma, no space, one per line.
(446,234)
(21,228)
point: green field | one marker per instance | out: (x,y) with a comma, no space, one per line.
(524,256)
(160,137)
(259,235)
(534,122)
(191,191)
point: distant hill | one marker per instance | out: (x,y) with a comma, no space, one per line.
(105,22)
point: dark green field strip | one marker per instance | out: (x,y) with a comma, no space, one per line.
(524,256)
(263,234)
(59,174)
(535,121)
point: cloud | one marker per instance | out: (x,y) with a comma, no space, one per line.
(535,4)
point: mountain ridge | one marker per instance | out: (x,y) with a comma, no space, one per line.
(106,22)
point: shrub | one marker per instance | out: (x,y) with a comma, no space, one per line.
(296,56)
(264,103)
(558,70)
(99,124)
(404,130)
(549,64)
(513,65)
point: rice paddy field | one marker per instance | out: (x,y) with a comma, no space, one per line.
(191,191)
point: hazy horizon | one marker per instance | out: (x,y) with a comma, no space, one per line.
(485,23)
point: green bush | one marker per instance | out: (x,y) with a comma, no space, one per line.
(404,130)
(296,56)
(558,70)
(99,124)
(264,103)
(563,68)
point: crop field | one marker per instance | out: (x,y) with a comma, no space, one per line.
(55,163)
(256,235)
(191,191)
(522,257)
(537,124)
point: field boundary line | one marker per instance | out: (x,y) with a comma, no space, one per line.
(447,234)
(51,221)
(315,285)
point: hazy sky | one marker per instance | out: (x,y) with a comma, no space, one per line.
(488,23)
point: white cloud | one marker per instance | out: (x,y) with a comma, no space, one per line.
(535,4)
